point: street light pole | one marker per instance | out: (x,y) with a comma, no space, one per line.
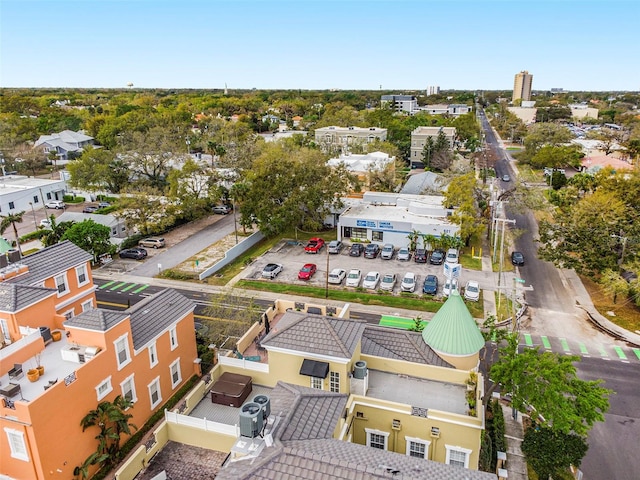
(35,223)
(326,278)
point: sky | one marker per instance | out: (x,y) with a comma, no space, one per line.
(311,44)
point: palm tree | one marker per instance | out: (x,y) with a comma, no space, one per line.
(55,231)
(12,219)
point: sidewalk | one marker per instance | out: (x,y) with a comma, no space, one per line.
(514,433)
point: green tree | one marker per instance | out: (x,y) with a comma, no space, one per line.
(194,187)
(91,237)
(614,284)
(461,195)
(542,134)
(427,152)
(550,453)
(558,156)
(99,169)
(10,220)
(442,156)
(547,383)
(145,210)
(55,233)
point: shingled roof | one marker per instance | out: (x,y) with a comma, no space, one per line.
(302,332)
(15,297)
(51,261)
(399,345)
(97,319)
(452,330)
(305,452)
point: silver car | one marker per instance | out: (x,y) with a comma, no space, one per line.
(353,278)
(337,275)
(387,251)
(388,282)
(404,254)
(335,246)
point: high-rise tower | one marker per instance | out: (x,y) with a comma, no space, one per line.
(522,86)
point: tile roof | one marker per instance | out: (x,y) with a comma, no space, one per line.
(399,345)
(15,297)
(51,261)
(452,330)
(317,334)
(96,319)
(155,314)
(296,454)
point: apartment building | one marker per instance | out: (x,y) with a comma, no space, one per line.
(419,138)
(522,86)
(401,103)
(341,138)
(61,357)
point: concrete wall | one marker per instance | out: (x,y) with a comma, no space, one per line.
(233,253)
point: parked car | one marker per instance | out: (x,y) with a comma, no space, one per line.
(314,245)
(90,209)
(409,282)
(449,286)
(420,256)
(57,204)
(388,282)
(452,256)
(430,285)
(152,242)
(437,257)
(135,253)
(353,278)
(506,178)
(271,270)
(307,271)
(372,251)
(371,280)
(517,258)
(472,291)
(335,246)
(356,250)
(45,223)
(221,209)
(404,254)
(103,204)
(337,275)
(387,251)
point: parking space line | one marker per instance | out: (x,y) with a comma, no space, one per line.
(528,340)
(140,289)
(620,353)
(126,289)
(108,284)
(565,345)
(637,352)
(545,342)
(583,349)
(116,287)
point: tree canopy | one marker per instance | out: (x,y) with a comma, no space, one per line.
(90,236)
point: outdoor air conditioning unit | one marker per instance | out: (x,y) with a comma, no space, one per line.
(360,369)
(251,420)
(14,255)
(3,260)
(265,402)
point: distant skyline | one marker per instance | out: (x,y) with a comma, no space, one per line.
(310,44)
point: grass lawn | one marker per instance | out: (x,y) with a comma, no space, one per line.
(627,314)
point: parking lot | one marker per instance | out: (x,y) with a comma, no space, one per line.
(293,257)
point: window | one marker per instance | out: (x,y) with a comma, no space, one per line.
(61,284)
(360,233)
(154,392)
(153,355)
(81,272)
(173,338)
(11,206)
(17,444)
(334,382)
(377,438)
(69,314)
(36,199)
(104,388)
(457,456)
(346,232)
(88,305)
(48,195)
(122,351)
(376,236)
(128,388)
(417,447)
(316,383)
(176,376)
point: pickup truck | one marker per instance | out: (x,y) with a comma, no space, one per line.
(314,245)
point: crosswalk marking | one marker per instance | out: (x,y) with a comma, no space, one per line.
(565,345)
(545,342)
(603,352)
(637,352)
(620,353)
(106,285)
(140,289)
(126,289)
(583,349)
(116,287)
(527,340)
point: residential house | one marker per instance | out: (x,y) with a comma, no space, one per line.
(363,165)
(454,109)
(341,138)
(390,217)
(419,138)
(20,193)
(64,143)
(115,224)
(88,355)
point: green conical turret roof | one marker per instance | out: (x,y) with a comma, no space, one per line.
(452,330)
(4,246)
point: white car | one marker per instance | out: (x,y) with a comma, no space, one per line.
(371,280)
(388,282)
(404,254)
(353,278)
(271,270)
(45,223)
(337,275)
(449,286)
(409,282)
(57,204)
(452,256)
(472,291)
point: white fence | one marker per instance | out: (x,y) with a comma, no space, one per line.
(201,424)
(233,253)
(243,363)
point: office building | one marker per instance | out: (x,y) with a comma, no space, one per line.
(522,86)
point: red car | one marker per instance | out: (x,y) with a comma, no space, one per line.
(307,271)
(314,246)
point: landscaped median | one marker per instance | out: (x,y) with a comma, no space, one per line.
(406,301)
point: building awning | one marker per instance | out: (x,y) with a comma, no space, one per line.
(312,368)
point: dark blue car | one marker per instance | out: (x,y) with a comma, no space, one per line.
(430,285)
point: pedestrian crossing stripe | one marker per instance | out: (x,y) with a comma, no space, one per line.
(140,289)
(545,342)
(527,340)
(620,353)
(565,345)
(126,289)
(117,286)
(583,349)
(603,352)
(108,284)
(637,352)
